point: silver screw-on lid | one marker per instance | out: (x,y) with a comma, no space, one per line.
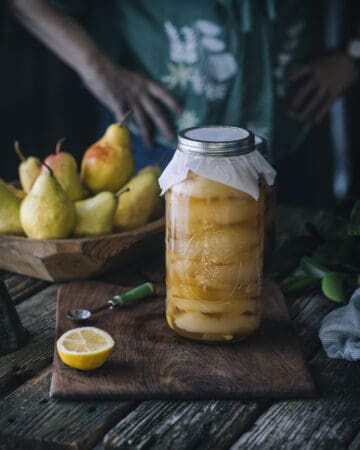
(216,140)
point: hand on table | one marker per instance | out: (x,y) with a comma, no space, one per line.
(120,90)
(323,81)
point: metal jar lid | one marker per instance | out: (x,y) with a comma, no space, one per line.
(216,140)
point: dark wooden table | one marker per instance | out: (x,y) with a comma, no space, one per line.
(30,420)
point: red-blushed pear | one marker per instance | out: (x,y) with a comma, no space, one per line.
(64,166)
(47,212)
(109,163)
(29,168)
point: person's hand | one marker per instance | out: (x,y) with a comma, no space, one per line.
(121,90)
(323,81)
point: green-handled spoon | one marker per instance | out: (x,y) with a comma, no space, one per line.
(117,301)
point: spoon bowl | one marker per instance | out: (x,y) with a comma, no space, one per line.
(79,315)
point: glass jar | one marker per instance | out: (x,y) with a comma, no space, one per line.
(269,211)
(214,250)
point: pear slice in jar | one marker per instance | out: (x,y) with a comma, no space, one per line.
(195,322)
(201,187)
(219,247)
(189,287)
(206,271)
(239,306)
(191,290)
(192,215)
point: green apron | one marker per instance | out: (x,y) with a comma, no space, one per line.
(216,57)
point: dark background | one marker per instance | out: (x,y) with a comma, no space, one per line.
(43,100)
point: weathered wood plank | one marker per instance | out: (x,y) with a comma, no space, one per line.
(183,425)
(29,419)
(306,313)
(22,287)
(38,317)
(355,443)
(329,422)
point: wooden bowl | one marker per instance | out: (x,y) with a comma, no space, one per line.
(75,258)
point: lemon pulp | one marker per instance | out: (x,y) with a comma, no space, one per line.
(85,348)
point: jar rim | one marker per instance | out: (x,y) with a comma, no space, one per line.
(242,145)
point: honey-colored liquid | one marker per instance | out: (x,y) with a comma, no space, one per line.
(214,242)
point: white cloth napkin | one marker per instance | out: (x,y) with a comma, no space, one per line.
(240,172)
(340,330)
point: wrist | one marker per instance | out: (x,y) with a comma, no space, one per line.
(93,63)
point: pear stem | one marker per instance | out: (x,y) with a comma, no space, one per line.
(18,151)
(48,168)
(122,191)
(59,145)
(124,117)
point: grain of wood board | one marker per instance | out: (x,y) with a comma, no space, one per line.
(215,425)
(38,317)
(151,362)
(197,425)
(21,287)
(29,419)
(306,313)
(330,422)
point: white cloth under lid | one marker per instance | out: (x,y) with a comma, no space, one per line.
(240,172)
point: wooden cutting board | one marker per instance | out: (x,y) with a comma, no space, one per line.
(150,362)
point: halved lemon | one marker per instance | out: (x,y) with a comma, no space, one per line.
(85,348)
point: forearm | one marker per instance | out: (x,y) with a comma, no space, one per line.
(115,87)
(59,32)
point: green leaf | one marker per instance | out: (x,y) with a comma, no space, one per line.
(312,267)
(332,286)
(298,282)
(354,226)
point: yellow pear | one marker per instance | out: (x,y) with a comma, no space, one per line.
(47,212)
(9,211)
(64,166)
(29,168)
(95,215)
(160,203)
(109,163)
(155,170)
(14,190)
(137,207)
